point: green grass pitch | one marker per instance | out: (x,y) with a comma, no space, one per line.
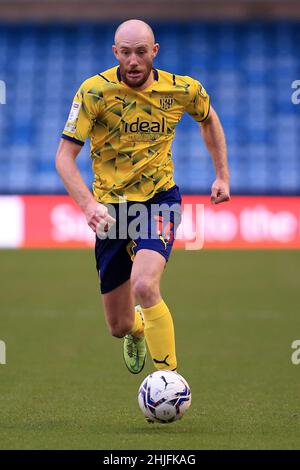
(65,386)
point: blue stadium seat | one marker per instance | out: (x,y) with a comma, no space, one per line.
(247,69)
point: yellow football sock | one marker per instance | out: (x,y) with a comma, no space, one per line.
(138,326)
(160,337)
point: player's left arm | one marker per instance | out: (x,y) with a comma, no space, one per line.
(214,139)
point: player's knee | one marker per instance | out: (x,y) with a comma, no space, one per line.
(144,289)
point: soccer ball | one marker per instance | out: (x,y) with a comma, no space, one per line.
(164,396)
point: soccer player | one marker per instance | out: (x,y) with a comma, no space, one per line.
(130,112)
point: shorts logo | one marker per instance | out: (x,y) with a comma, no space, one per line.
(166,102)
(130,249)
(165,233)
(165,242)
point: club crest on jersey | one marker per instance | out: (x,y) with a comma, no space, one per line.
(166,102)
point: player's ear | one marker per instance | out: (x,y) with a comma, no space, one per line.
(155,49)
(115,51)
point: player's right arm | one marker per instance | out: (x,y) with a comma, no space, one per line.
(84,110)
(68,171)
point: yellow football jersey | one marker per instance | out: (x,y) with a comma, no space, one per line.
(131,131)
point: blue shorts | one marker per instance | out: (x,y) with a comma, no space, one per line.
(114,256)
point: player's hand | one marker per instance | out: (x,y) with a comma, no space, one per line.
(219,191)
(104,225)
(95,213)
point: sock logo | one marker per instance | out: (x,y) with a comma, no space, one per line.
(164,361)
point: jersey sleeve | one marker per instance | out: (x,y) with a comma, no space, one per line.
(85,108)
(199,105)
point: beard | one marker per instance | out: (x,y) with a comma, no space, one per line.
(138,80)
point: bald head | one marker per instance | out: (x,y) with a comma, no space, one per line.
(135,49)
(134,30)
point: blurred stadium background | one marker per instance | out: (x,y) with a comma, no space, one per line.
(243,305)
(246,53)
